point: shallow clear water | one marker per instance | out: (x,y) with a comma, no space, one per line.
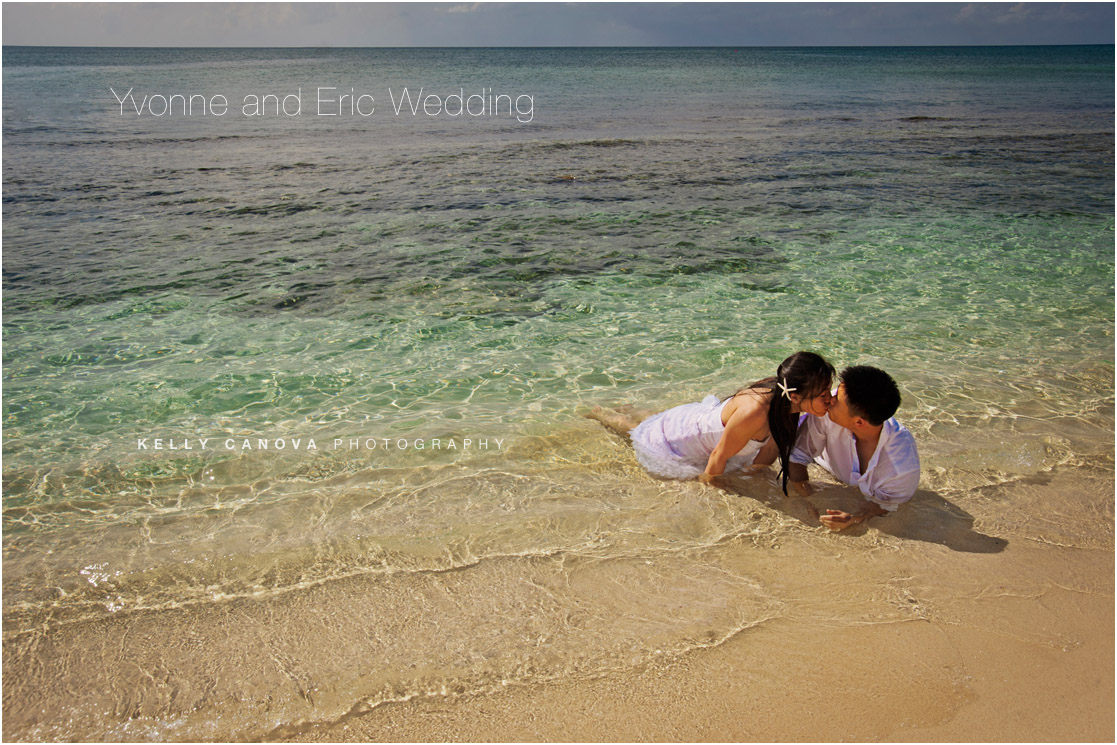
(671,223)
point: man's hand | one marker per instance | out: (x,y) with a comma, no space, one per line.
(837,520)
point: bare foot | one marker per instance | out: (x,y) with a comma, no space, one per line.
(612,419)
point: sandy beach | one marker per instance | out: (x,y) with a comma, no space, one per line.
(933,624)
(911,682)
(998,641)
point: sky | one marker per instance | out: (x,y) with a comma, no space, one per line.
(554,24)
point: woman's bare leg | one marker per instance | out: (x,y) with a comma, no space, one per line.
(618,421)
(636,415)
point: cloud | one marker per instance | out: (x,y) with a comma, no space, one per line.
(465,8)
(967,12)
(1018,13)
(472,24)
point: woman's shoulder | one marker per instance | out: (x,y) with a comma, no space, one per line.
(753,393)
(748,401)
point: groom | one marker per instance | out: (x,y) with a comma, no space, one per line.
(861,444)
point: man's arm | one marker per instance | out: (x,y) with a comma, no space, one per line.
(797,475)
(894,482)
(896,475)
(809,442)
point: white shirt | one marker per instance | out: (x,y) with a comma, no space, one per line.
(893,472)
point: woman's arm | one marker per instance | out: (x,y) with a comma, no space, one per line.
(767,455)
(746,422)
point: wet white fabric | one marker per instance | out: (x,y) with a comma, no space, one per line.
(677,443)
(892,474)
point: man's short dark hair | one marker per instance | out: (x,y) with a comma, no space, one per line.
(871,393)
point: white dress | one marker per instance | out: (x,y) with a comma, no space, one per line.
(677,443)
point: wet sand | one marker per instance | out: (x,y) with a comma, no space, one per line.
(911,682)
(988,619)
(1013,644)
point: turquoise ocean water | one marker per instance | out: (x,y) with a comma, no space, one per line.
(670,223)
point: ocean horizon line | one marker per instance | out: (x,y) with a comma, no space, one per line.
(585,46)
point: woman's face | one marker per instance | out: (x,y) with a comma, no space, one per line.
(819,404)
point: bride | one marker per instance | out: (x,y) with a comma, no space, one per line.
(754,426)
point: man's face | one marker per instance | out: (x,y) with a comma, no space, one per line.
(839,410)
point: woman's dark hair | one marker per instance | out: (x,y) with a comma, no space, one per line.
(808,375)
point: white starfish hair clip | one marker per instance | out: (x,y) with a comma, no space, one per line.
(785,390)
